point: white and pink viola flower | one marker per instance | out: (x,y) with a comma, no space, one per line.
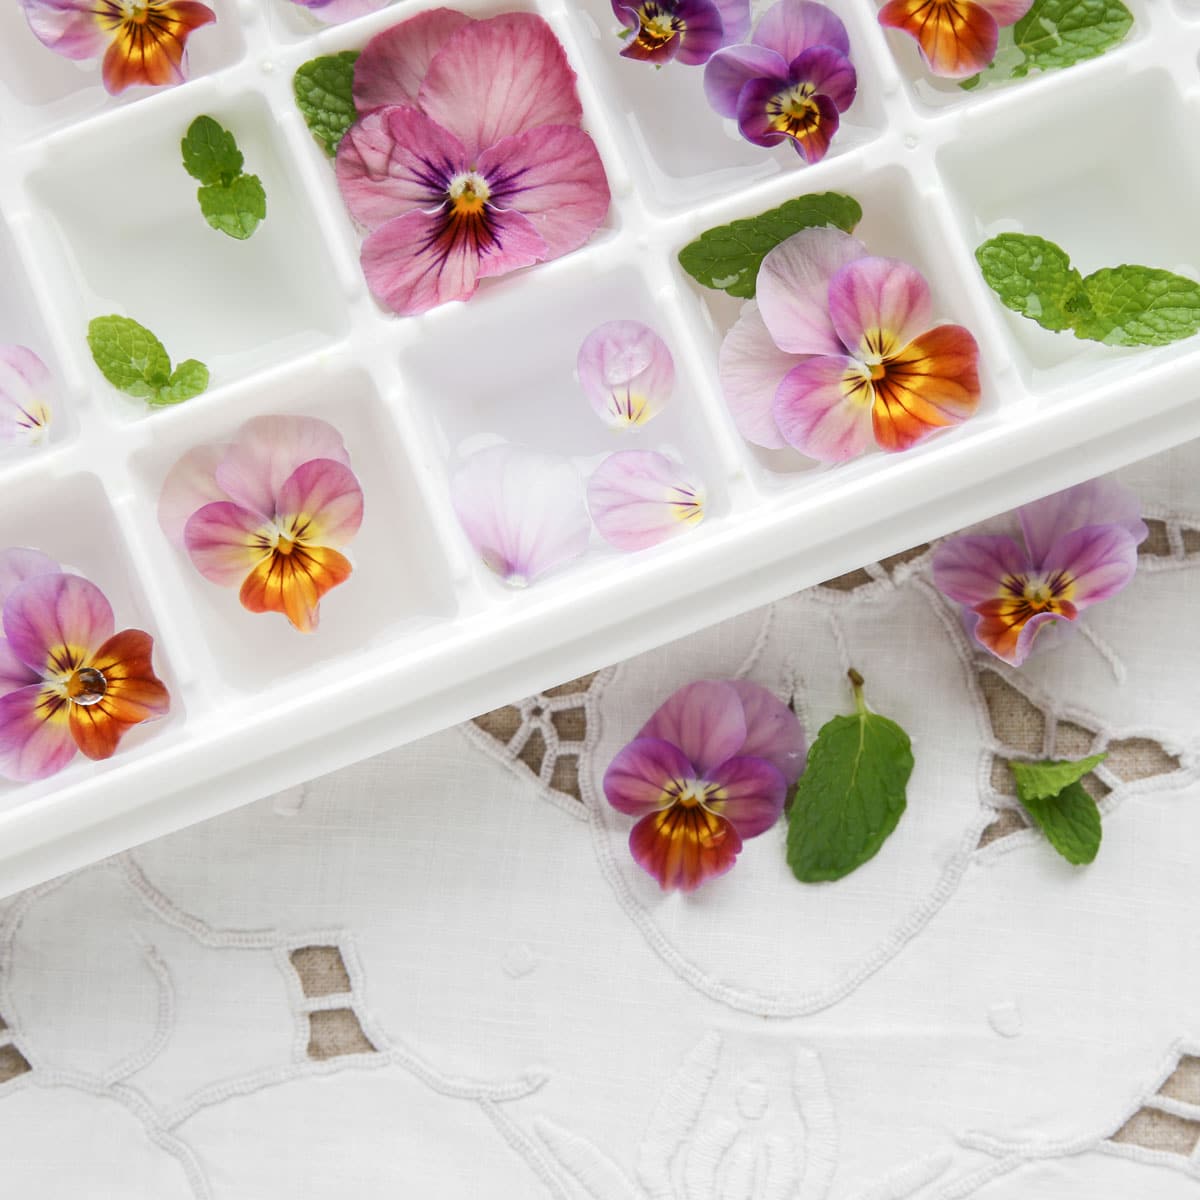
(841,353)
(270,513)
(639,498)
(627,373)
(468,160)
(333,12)
(521,510)
(25,389)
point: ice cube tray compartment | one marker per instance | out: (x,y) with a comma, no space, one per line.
(423,634)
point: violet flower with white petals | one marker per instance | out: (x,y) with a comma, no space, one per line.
(639,498)
(627,373)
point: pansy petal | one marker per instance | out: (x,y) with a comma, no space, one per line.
(1007,12)
(1013,643)
(793,289)
(639,498)
(704,719)
(684,847)
(703,31)
(762,122)
(729,70)
(1098,502)
(773,732)
(266,450)
(554,178)
(523,512)
(497,78)
(792,26)
(13,672)
(25,389)
(751,368)
(321,504)
(637,780)
(627,373)
(35,734)
(54,622)
(735,17)
(133,694)
(828,72)
(393,63)
(153,54)
(293,584)
(823,409)
(332,12)
(68,27)
(226,541)
(751,795)
(421,260)
(190,484)
(956,40)
(20,563)
(393,161)
(931,383)
(878,305)
(1099,560)
(971,569)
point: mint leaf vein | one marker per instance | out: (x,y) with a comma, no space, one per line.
(135,362)
(324,90)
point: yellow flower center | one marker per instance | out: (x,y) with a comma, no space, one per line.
(86,686)
(469,194)
(285,545)
(656,28)
(794,112)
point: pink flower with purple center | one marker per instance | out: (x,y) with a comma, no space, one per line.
(1077,548)
(687,31)
(710,769)
(468,160)
(791,82)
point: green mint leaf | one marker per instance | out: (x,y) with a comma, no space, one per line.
(1071,822)
(851,795)
(324,91)
(727,258)
(1033,277)
(188,379)
(210,153)
(1139,306)
(1043,780)
(234,208)
(129,356)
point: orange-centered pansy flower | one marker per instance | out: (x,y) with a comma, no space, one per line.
(141,41)
(957,38)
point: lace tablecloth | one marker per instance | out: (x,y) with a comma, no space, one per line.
(439,973)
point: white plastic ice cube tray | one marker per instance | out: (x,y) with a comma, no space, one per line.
(99,216)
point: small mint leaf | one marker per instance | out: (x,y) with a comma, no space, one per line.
(129,356)
(324,89)
(1071,822)
(727,258)
(234,208)
(1042,780)
(1139,306)
(188,379)
(1033,277)
(210,153)
(1059,33)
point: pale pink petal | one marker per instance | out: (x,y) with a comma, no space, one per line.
(637,780)
(639,498)
(1098,502)
(266,450)
(48,613)
(190,484)
(773,731)
(554,178)
(331,12)
(823,409)
(393,63)
(393,161)
(751,368)
(704,719)
(793,289)
(226,542)
(627,373)
(323,502)
(21,563)
(35,736)
(752,794)
(878,306)
(1006,12)
(792,26)
(522,511)
(13,672)
(1099,560)
(25,390)
(496,78)
(971,569)
(68,27)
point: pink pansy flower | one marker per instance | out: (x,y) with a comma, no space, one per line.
(331,12)
(1077,547)
(468,160)
(522,511)
(710,768)
(659,31)
(68,681)
(25,385)
(269,512)
(841,353)
(627,373)
(639,498)
(957,38)
(791,82)
(142,41)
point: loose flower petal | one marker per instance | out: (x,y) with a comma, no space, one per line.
(149,39)
(956,38)
(639,498)
(792,26)
(751,367)
(646,775)
(627,373)
(823,408)
(729,70)
(704,719)
(25,389)
(684,847)
(320,504)
(1099,502)
(773,732)
(393,63)
(35,734)
(21,563)
(293,583)
(190,484)
(53,623)
(750,794)
(522,511)
(132,694)
(878,305)
(226,541)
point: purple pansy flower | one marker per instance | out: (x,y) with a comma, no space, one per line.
(660,31)
(710,768)
(790,82)
(1078,547)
